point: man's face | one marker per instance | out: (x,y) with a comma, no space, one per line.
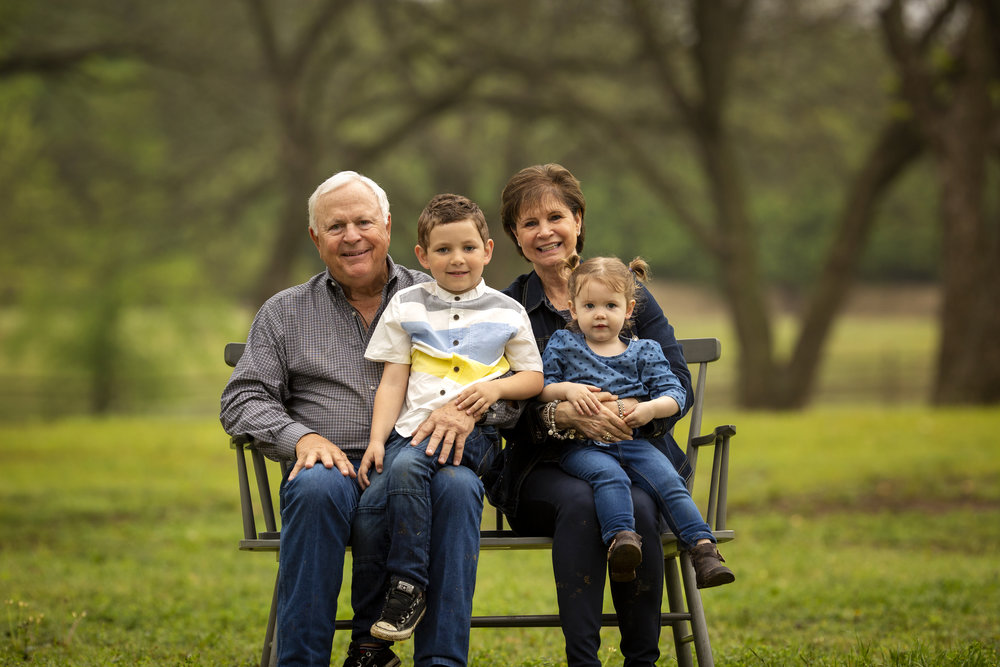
(350,236)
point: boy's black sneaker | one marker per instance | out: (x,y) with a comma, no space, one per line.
(404,607)
(370,656)
(708,566)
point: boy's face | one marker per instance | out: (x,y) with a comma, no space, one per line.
(455,255)
(600,311)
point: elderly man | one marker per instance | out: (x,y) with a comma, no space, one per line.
(304,387)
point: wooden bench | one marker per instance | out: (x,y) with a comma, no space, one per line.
(686,615)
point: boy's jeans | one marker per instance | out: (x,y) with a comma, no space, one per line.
(456,501)
(409,504)
(612,468)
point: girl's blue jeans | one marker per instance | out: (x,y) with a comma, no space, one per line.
(611,470)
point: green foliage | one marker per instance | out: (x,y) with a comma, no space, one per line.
(864,537)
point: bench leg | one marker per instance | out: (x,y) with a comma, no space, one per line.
(699,628)
(269,653)
(675,600)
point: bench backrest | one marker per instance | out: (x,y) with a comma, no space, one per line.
(698,353)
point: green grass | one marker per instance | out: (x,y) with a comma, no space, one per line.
(865,537)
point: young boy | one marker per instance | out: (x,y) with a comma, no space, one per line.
(453,339)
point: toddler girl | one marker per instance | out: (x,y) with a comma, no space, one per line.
(590,356)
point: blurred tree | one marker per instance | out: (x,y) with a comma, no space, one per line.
(170,138)
(660,93)
(347,81)
(949,72)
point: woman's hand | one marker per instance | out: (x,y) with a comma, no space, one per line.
(605,426)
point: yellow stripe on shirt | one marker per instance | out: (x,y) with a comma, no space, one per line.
(457,369)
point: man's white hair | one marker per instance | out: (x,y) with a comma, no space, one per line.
(343,178)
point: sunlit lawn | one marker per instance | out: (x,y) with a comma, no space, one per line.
(863,535)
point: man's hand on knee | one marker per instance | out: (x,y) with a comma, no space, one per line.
(312,448)
(447,427)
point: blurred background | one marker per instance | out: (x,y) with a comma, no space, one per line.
(815,183)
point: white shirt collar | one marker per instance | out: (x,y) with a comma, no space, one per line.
(468,295)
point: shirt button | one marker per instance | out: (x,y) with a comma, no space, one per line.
(456,369)
(442,392)
(455,316)
(458,298)
(454,342)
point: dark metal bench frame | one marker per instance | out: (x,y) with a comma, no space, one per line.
(686,615)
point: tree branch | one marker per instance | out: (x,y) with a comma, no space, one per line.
(57,62)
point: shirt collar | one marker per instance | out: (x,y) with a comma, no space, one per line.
(534,297)
(468,295)
(534,293)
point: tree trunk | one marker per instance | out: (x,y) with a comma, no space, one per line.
(955,113)
(896,147)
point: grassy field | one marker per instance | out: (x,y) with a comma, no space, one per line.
(865,537)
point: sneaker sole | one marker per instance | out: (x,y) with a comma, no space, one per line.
(389,634)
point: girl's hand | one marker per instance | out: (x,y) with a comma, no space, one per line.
(583,397)
(640,415)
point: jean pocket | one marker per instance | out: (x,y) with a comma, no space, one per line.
(481,450)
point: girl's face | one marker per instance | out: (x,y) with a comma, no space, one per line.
(600,311)
(547,233)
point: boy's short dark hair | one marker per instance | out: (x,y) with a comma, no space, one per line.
(445,208)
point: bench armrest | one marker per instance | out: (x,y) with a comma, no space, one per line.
(719,481)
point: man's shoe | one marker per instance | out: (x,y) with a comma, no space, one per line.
(370,656)
(624,555)
(708,566)
(404,607)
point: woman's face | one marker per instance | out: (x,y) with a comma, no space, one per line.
(547,232)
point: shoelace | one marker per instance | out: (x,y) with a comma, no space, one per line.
(397,606)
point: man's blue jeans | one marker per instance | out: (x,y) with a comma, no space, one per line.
(317,508)
(456,509)
(612,468)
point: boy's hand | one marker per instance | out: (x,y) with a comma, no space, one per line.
(373,457)
(477,398)
(583,397)
(640,415)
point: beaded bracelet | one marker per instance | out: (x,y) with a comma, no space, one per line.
(549,418)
